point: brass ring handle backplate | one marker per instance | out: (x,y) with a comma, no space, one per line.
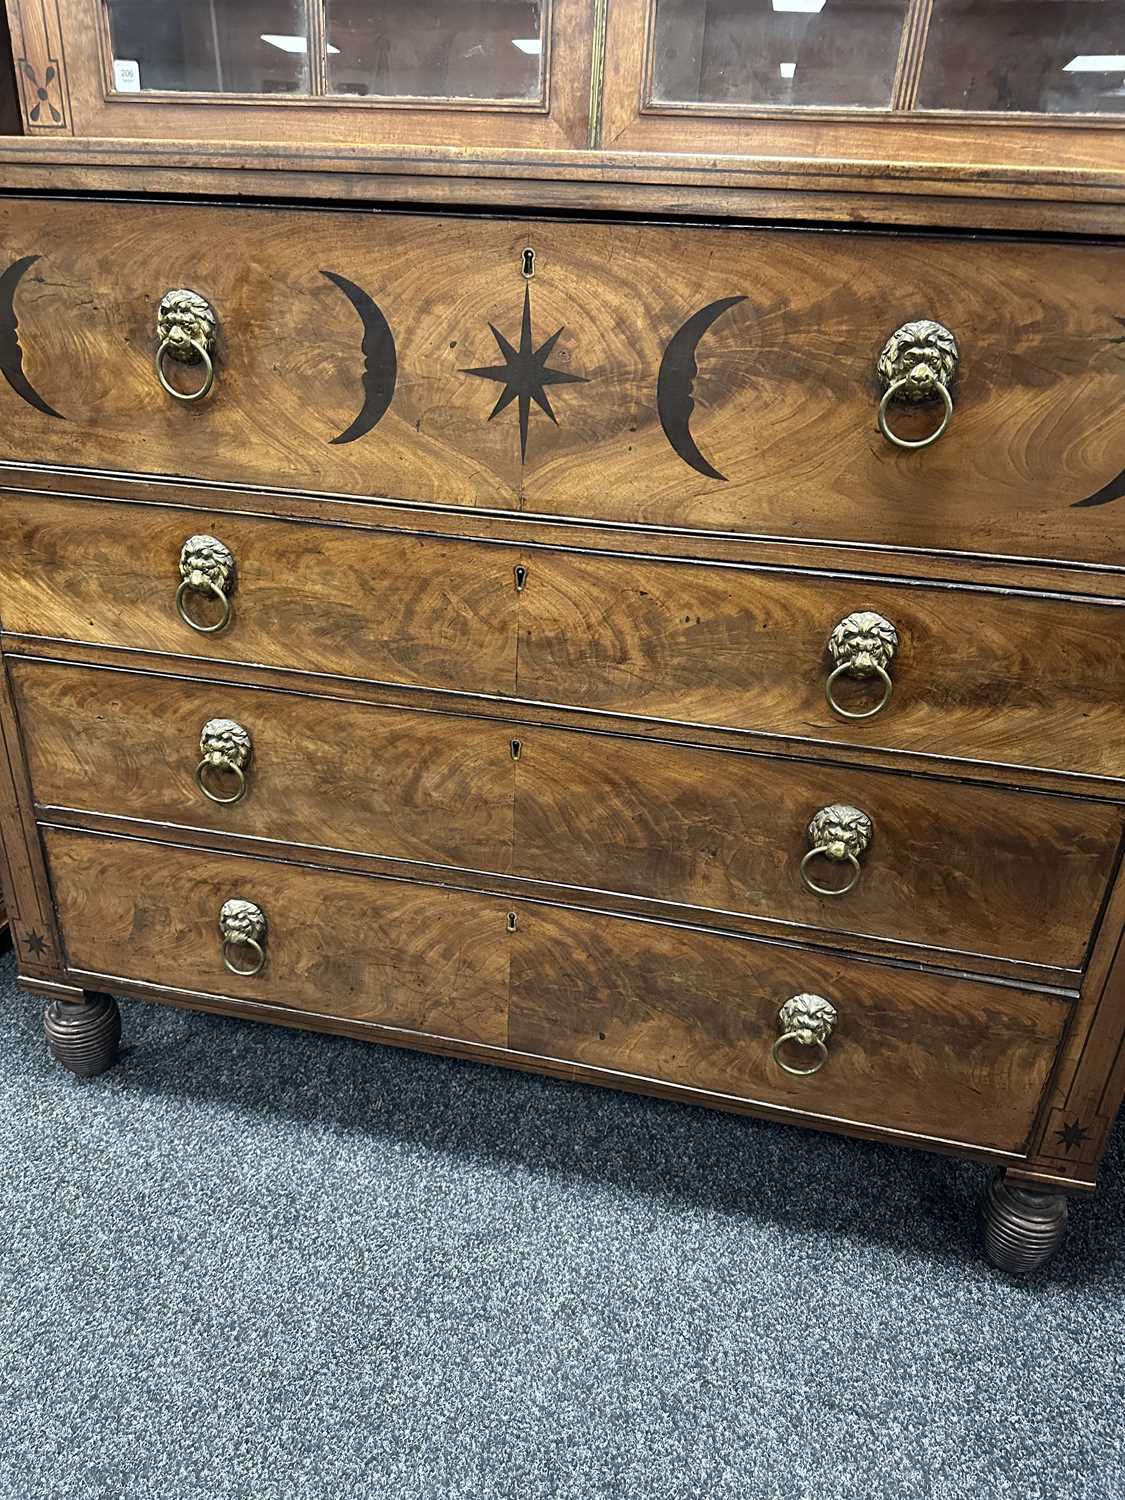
(862,645)
(839,834)
(918,363)
(206,567)
(243,925)
(804,1021)
(225,747)
(185,332)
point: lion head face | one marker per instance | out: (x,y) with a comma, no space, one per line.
(840,830)
(808,1018)
(184,319)
(863,642)
(921,354)
(241,921)
(224,743)
(206,564)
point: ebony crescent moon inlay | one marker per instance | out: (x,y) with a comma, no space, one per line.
(11,353)
(1111,491)
(678,369)
(380,361)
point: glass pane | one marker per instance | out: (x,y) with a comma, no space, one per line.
(435,49)
(831,53)
(1042,56)
(209,46)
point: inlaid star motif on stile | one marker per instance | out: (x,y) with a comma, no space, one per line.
(524,373)
(1072,1135)
(36,943)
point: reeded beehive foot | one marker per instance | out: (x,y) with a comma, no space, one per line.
(1022,1227)
(83,1036)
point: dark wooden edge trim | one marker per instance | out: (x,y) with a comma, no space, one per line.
(27,892)
(524,711)
(50,988)
(346,863)
(920,957)
(570,1072)
(1049,1181)
(816,557)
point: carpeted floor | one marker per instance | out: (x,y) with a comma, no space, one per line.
(251,1262)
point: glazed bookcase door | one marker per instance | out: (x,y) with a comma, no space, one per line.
(879,80)
(393,73)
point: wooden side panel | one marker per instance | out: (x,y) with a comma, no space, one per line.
(318,598)
(344,945)
(969,869)
(985,676)
(41,69)
(709,377)
(946,1058)
(322,771)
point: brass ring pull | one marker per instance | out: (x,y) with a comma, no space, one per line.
(185,331)
(236,770)
(243,925)
(846,670)
(225,746)
(254,946)
(889,394)
(807,1020)
(862,645)
(797,1036)
(206,567)
(206,587)
(202,353)
(838,833)
(824,890)
(918,362)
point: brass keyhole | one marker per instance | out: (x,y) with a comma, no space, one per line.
(529,263)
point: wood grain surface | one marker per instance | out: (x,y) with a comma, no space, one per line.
(974,870)
(324,599)
(784,396)
(990,676)
(942,1057)
(403,955)
(1006,678)
(322,771)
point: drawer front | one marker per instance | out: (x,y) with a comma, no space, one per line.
(940,1057)
(718,377)
(969,869)
(320,771)
(1001,678)
(394,608)
(1010,679)
(347,946)
(946,1058)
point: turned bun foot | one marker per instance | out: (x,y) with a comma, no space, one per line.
(83,1036)
(1022,1227)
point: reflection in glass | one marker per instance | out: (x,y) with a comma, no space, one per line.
(1040,56)
(435,49)
(210,46)
(831,53)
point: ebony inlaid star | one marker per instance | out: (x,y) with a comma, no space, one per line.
(37,943)
(524,373)
(1072,1135)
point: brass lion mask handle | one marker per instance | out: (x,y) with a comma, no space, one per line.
(839,834)
(862,645)
(225,747)
(804,1021)
(185,331)
(242,925)
(206,567)
(918,363)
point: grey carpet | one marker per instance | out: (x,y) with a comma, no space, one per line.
(252,1262)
